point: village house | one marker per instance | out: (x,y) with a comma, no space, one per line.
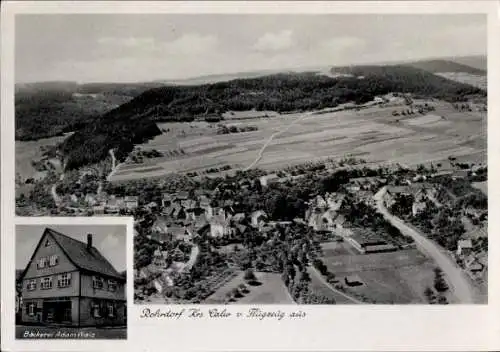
(258,218)
(90,199)
(417,207)
(160,258)
(166,200)
(69,282)
(335,201)
(392,192)
(180,233)
(464,247)
(266,180)
(131,202)
(220,226)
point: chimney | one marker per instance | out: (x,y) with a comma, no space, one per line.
(89,241)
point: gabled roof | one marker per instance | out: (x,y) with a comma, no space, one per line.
(76,251)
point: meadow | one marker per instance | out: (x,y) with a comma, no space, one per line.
(372,133)
(395,277)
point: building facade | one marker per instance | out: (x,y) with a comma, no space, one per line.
(69,282)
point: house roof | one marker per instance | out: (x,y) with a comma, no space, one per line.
(166,196)
(131,198)
(465,243)
(90,260)
(182,195)
(398,189)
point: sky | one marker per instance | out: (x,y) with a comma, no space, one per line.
(146,47)
(110,240)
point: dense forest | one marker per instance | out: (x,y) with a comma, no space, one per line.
(134,121)
(50,109)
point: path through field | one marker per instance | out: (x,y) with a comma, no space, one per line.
(275,134)
(331,288)
(53,191)
(114,165)
(456,277)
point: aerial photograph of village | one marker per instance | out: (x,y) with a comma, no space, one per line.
(265,159)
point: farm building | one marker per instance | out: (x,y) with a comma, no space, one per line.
(131,202)
(353,280)
(366,241)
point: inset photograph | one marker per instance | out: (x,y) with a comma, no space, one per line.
(71,281)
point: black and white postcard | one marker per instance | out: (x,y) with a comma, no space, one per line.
(318,167)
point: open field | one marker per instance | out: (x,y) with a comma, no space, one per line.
(395,277)
(479,81)
(271,291)
(318,287)
(371,133)
(29,151)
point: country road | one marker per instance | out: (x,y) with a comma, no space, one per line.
(459,284)
(331,288)
(53,191)
(277,133)
(114,165)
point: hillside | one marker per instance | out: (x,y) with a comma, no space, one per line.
(134,121)
(477,61)
(435,66)
(48,109)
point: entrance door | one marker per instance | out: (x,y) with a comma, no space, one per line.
(57,312)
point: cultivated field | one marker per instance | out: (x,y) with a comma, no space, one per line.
(395,277)
(479,81)
(271,291)
(26,152)
(371,133)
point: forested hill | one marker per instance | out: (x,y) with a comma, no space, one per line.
(48,109)
(133,121)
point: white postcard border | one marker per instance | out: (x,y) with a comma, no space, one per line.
(375,327)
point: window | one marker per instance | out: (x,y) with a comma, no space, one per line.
(47,243)
(64,280)
(96,311)
(112,285)
(97,282)
(31,285)
(42,263)
(53,260)
(46,283)
(111,310)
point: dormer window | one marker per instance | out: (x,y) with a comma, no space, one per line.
(53,260)
(42,263)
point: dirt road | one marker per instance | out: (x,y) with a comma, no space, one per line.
(114,165)
(315,272)
(275,134)
(459,285)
